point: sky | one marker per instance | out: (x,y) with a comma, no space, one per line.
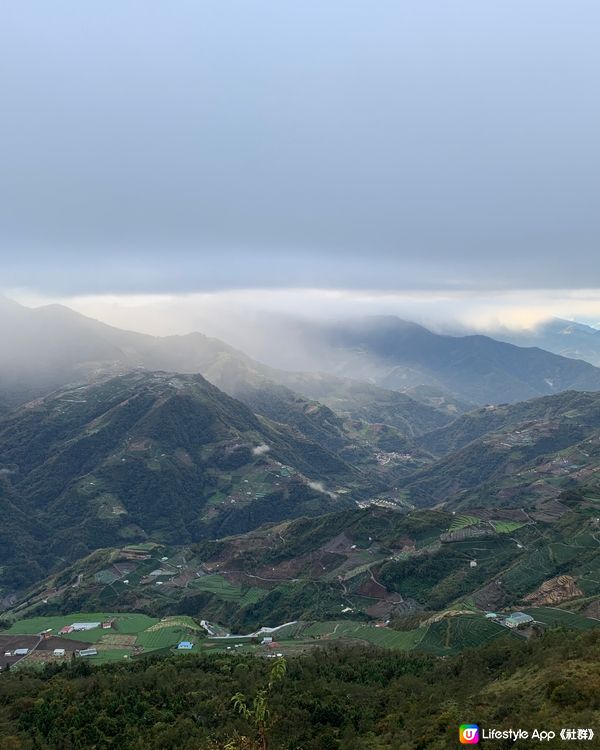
(439,149)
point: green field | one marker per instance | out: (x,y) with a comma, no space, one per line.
(219,586)
(446,636)
(455,633)
(349,629)
(443,637)
(506,527)
(462,522)
(152,640)
(551,616)
(529,572)
(150,635)
(110,655)
(126,623)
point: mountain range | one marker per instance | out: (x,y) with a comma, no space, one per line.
(292,494)
(161,456)
(51,346)
(565,337)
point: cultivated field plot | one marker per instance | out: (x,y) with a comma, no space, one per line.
(220,587)
(529,572)
(151,640)
(550,616)
(34,625)
(352,630)
(110,655)
(506,527)
(131,633)
(463,521)
(443,637)
(182,621)
(115,641)
(456,633)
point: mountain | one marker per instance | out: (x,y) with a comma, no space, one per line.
(504,455)
(398,355)
(565,337)
(161,456)
(49,347)
(401,355)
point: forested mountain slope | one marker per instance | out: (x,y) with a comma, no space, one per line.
(159,455)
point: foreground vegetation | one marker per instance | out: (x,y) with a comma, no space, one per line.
(359,698)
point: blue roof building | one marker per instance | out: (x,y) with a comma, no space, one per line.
(518,619)
(185,646)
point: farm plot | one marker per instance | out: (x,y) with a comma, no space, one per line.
(152,640)
(506,527)
(455,633)
(462,522)
(563,553)
(349,629)
(405,640)
(35,625)
(110,641)
(550,616)
(109,655)
(181,621)
(529,572)
(220,587)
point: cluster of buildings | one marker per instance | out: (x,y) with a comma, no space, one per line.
(514,621)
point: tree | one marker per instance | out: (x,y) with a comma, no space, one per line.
(258,712)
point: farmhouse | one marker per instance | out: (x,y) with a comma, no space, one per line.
(266,640)
(518,620)
(108,624)
(185,646)
(58,652)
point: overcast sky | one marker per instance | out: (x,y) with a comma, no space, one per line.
(188,146)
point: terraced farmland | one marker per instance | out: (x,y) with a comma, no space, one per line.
(352,630)
(219,586)
(506,527)
(550,616)
(463,521)
(456,633)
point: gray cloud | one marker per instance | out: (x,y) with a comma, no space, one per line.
(203,146)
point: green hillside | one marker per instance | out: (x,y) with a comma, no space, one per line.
(504,456)
(368,565)
(157,456)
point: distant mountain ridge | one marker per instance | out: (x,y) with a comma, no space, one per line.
(49,347)
(398,354)
(565,337)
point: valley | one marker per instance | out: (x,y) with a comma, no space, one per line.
(252,512)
